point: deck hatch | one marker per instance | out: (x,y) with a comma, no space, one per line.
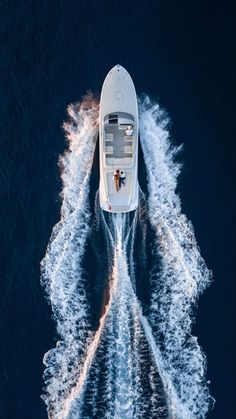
(113,119)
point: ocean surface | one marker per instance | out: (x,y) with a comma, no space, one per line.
(52,54)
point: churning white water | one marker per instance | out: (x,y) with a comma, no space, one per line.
(130,365)
(61,268)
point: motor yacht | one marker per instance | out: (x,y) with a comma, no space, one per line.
(118,143)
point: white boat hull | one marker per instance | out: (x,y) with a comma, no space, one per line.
(118,148)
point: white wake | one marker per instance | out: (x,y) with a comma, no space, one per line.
(62,275)
(183,274)
(132,366)
(124,327)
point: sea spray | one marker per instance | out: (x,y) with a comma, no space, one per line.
(122,343)
(114,323)
(62,275)
(131,366)
(183,275)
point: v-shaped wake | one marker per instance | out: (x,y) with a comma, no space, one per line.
(129,365)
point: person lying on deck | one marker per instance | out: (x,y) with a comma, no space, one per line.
(122,178)
(116,178)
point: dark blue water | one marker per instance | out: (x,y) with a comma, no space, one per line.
(51,54)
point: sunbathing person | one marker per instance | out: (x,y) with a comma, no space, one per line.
(116,177)
(122,178)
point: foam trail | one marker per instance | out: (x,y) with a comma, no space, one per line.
(153,366)
(77,391)
(124,324)
(183,274)
(116,308)
(124,402)
(61,268)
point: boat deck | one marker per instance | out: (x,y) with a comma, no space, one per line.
(122,197)
(117,150)
(117,144)
(124,189)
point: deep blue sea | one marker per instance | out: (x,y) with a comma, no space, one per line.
(52,53)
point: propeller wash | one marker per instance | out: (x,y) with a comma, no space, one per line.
(124,349)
